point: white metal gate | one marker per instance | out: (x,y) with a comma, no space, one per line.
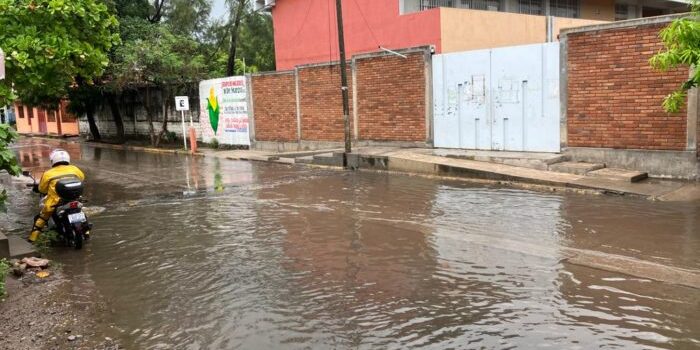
(498,99)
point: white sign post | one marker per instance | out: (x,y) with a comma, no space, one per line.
(2,65)
(182,104)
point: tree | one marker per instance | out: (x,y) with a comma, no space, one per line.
(682,41)
(254,45)
(8,162)
(239,8)
(51,43)
(256,41)
(152,57)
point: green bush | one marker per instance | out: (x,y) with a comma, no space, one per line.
(4,269)
(214,143)
(45,241)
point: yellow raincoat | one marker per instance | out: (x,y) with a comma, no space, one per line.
(47,186)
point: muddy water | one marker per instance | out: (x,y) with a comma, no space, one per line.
(202,253)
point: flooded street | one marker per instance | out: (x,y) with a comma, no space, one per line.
(202,253)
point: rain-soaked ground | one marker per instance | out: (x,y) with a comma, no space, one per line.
(204,253)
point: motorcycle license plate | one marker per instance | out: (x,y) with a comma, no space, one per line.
(76,218)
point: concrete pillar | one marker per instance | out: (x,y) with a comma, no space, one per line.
(251,110)
(692,122)
(355,101)
(298,100)
(429,97)
(563,90)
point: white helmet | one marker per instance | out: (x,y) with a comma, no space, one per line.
(59,156)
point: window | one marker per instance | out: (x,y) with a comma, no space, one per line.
(530,7)
(491,5)
(52,116)
(20,111)
(621,12)
(65,115)
(564,8)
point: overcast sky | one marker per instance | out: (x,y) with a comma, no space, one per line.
(218,8)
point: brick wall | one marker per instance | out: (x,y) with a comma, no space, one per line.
(614,97)
(322,103)
(274,98)
(391,98)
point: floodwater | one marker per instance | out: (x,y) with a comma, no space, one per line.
(200,253)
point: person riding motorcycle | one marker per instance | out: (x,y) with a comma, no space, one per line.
(60,169)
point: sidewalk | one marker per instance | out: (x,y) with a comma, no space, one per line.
(425,161)
(512,168)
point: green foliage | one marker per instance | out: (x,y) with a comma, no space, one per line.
(151,54)
(49,43)
(214,143)
(45,241)
(682,41)
(4,270)
(8,161)
(256,42)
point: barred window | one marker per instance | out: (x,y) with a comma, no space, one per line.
(20,111)
(621,12)
(491,5)
(564,8)
(530,7)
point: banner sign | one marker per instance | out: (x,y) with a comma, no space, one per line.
(224,110)
(2,65)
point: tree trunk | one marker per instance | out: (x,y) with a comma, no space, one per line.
(90,112)
(149,116)
(116,115)
(164,127)
(231,64)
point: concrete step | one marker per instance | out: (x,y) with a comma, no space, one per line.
(304,160)
(285,160)
(14,247)
(576,168)
(19,248)
(619,174)
(531,160)
(329,159)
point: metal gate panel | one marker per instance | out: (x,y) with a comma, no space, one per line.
(462,116)
(498,99)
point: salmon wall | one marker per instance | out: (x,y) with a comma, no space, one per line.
(306,31)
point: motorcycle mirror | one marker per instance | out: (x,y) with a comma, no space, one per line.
(26,173)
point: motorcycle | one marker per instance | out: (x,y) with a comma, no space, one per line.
(68,218)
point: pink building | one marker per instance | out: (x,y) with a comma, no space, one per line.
(306,30)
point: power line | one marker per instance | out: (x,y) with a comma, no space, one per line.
(366,23)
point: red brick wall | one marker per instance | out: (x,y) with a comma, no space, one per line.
(322,103)
(614,97)
(391,98)
(274,106)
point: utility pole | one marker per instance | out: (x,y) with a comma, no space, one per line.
(343,82)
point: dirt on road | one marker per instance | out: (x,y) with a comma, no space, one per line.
(52,313)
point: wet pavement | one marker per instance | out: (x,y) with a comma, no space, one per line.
(215,254)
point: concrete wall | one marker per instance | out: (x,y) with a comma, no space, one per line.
(135,120)
(302,109)
(603,10)
(463,30)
